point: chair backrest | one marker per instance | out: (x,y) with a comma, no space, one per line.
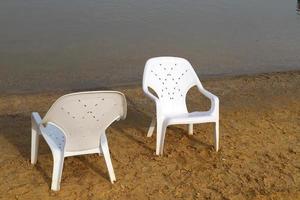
(170,78)
(84,116)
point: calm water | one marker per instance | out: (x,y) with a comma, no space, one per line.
(67,44)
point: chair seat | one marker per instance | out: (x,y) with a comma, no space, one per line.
(54,136)
(56,140)
(191,118)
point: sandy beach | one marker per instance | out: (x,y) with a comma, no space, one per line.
(259,156)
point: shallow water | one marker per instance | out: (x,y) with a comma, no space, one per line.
(75,44)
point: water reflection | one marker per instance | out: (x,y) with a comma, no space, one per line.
(298,7)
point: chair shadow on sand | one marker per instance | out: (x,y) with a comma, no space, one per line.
(16,129)
(140,121)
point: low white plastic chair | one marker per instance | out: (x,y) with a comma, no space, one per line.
(171,78)
(75,125)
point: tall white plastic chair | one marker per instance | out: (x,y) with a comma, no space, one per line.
(75,125)
(171,78)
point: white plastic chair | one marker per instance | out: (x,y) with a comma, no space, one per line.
(171,78)
(75,125)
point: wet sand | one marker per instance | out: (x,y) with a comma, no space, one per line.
(259,156)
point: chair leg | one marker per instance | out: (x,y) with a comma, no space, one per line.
(34,143)
(216,136)
(151,128)
(160,138)
(58,163)
(190,127)
(106,154)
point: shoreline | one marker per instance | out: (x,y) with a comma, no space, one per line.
(13,98)
(259,155)
(139,83)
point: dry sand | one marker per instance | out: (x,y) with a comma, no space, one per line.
(259,156)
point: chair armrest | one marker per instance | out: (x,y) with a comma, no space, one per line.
(36,121)
(150,95)
(37,124)
(213,99)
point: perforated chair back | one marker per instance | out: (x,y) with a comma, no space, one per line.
(170,78)
(84,116)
